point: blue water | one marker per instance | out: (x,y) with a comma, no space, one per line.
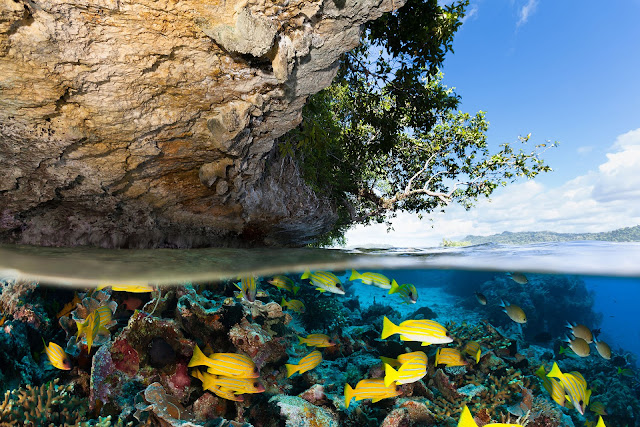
(591,283)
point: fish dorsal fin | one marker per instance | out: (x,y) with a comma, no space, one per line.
(466,420)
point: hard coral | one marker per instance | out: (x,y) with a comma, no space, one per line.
(48,404)
(298,412)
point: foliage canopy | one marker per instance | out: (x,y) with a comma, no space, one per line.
(387,136)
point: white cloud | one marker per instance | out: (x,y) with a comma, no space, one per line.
(471,13)
(526,11)
(585,149)
(600,200)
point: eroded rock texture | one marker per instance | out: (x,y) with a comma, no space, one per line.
(141,123)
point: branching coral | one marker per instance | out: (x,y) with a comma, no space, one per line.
(47,405)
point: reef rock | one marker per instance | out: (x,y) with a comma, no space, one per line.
(152,124)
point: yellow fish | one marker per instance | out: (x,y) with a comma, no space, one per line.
(57,357)
(137,288)
(603,349)
(552,385)
(514,312)
(248,288)
(580,331)
(217,390)
(410,371)
(466,420)
(92,325)
(425,331)
(69,307)
(286,283)
(472,348)
(294,304)
(403,358)
(370,389)
(407,292)
(575,387)
(307,363)
(324,281)
(449,357)
(225,364)
(376,279)
(317,340)
(598,408)
(237,385)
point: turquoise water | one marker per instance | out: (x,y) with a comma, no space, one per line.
(138,367)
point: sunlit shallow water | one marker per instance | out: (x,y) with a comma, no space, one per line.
(138,370)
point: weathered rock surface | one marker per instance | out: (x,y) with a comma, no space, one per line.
(152,123)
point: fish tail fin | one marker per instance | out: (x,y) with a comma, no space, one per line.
(291,369)
(355,276)
(306,274)
(466,420)
(198,358)
(81,327)
(562,350)
(437,358)
(394,287)
(302,340)
(197,374)
(390,375)
(284,302)
(388,328)
(295,289)
(348,395)
(541,373)
(555,372)
(502,303)
(569,325)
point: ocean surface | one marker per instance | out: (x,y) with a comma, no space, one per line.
(139,366)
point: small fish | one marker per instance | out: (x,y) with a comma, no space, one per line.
(598,408)
(225,364)
(70,306)
(466,420)
(217,390)
(317,340)
(626,372)
(579,346)
(425,331)
(481,298)
(552,385)
(396,363)
(603,349)
(286,283)
(90,328)
(57,357)
(473,349)
(410,371)
(519,278)
(581,331)
(248,288)
(376,279)
(373,388)
(449,357)
(407,292)
(294,304)
(307,363)
(324,281)
(575,387)
(514,312)
(137,288)
(234,384)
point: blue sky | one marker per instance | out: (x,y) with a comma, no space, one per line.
(565,71)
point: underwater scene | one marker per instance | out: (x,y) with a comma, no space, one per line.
(411,342)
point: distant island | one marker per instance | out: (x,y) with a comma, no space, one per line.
(628,234)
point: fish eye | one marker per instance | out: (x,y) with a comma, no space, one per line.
(398,388)
(411,294)
(256,384)
(255,370)
(580,403)
(339,286)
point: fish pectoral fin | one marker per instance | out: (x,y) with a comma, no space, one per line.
(424,344)
(377,399)
(321,290)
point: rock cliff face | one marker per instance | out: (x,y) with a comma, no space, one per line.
(142,123)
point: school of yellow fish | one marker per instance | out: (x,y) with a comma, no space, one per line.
(230,375)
